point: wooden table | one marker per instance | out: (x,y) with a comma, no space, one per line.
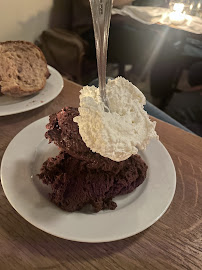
(173,242)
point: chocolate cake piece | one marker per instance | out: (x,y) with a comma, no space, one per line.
(64,132)
(78,176)
(75,185)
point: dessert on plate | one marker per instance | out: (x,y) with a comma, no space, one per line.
(98,157)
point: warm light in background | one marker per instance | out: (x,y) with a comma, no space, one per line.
(177,16)
(178,7)
(190,7)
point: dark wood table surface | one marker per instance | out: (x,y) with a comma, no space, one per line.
(173,242)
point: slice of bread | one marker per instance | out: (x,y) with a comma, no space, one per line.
(23,68)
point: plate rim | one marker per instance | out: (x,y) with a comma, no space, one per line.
(85,239)
(35,106)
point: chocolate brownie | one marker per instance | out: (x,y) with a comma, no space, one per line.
(78,176)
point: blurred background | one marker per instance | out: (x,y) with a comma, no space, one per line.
(164,62)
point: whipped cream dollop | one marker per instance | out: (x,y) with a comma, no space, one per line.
(117,134)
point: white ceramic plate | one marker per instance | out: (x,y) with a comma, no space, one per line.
(52,89)
(135,212)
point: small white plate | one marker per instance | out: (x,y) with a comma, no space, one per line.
(53,87)
(135,212)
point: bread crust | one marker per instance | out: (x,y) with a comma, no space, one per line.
(16,90)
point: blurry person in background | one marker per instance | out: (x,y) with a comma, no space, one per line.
(195,77)
(177,54)
(82,24)
(82,20)
(81,14)
(186,106)
(129,42)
